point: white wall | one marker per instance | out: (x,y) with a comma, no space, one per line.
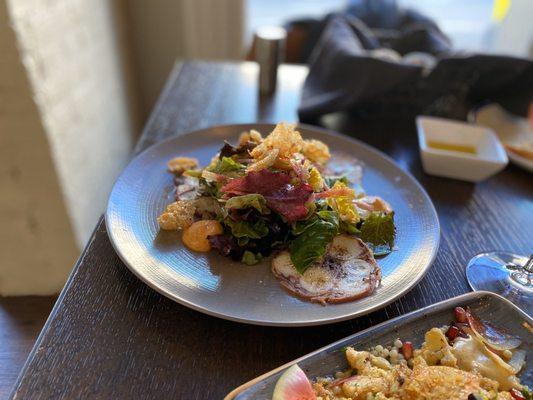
(74,57)
(67,128)
(162,31)
(213,29)
(154,37)
(37,247)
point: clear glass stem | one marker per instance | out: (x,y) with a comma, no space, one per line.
(523,274)
(507,274)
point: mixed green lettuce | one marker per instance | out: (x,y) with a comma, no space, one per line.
(246,229)
(276,194)
(331,179)
(314,234)
(227,164)
(250,258)
(312,239)
(253,200)
(378,232)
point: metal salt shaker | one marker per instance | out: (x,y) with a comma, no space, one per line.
(269,51)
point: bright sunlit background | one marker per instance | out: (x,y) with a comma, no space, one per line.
(470,24)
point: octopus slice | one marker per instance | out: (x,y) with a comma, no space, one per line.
(348,271)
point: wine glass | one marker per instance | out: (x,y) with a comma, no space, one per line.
(507,274)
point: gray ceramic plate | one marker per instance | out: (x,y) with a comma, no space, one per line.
(218,286)
(412,326)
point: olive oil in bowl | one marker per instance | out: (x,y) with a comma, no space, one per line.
(451,147)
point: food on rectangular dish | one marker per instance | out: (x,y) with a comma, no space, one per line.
(467,359)
(285,196)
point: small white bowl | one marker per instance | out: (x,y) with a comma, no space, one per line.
(490,156)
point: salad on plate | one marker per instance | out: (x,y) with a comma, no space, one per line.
(287,197)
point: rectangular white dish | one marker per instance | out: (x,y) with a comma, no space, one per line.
(412,326)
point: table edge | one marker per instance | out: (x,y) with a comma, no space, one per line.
(57,306)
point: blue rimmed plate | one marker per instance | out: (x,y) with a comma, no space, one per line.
(220,287)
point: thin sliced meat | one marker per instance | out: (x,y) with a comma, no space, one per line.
(368,204)
(347,272)
(281,196)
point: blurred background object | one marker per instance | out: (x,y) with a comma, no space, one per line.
(388,58)
(511,31)
(269,52)
(488,26)
(411,70)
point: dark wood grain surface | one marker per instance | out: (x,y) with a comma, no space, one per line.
(21,320)
(112,337)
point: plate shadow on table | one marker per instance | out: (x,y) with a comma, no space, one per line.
(167,241)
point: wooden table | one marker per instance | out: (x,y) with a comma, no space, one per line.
(112,337)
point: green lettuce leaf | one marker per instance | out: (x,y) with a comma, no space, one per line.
(379,232)
(330,180)
(313,238)
(302,225)
(329,216)
(227,164)
(209,189)
(250,258)
(349,228)
(245,229)
(243,241)
(253,200)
